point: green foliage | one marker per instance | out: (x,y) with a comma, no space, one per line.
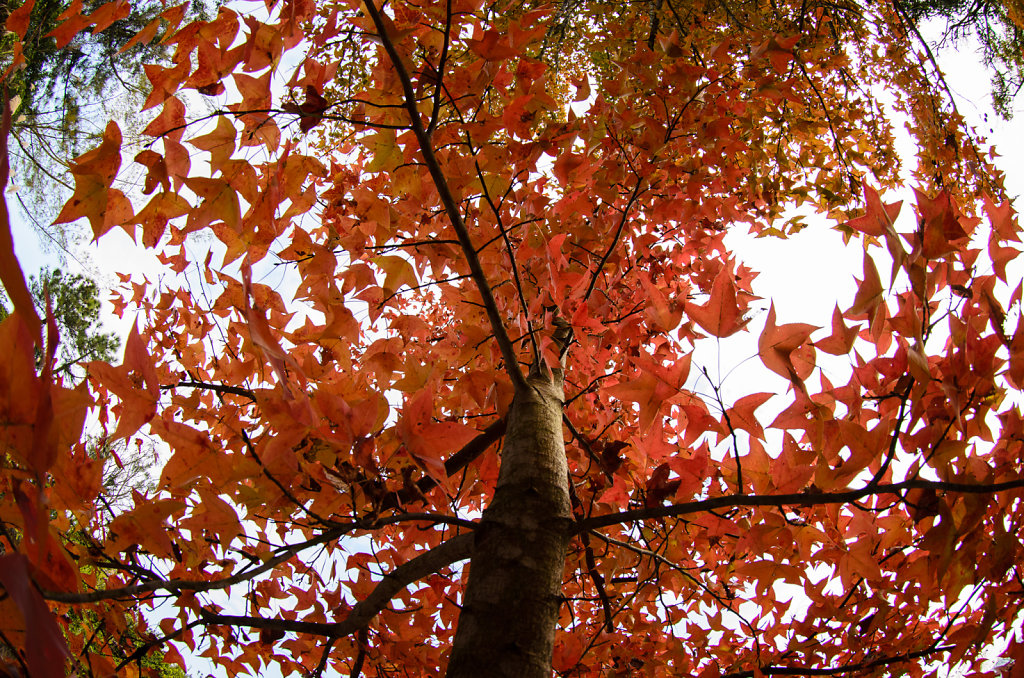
(996,24)
(76,308)
(75,302)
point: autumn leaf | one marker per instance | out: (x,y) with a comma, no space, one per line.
(654,385)
(18,20)
(430,441)
(659,486)
(311,111)
(386,154)
(493,46)
(840,342)
(779,347)
(220,143)
(46,654)
(134,382)
(869,292)
(879,219)
(721,316)
(939,223)
(94,199)
(741,415)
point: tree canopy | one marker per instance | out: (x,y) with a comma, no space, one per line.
(428,355)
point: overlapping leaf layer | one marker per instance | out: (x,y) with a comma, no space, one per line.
(376,219)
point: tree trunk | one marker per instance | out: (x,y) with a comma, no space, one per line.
(510,609)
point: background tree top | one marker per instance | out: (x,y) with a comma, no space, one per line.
(997,27)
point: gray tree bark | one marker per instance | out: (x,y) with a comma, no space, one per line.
(510,609)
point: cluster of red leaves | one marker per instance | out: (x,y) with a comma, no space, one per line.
(442,205)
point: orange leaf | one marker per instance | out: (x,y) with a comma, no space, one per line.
(664,315)
(18,20)
(654,385)
(879,218)
(263,336)
(134,383)
(108,13)
(144,526)
(157,212)
(157,174)
(721,315)
(741,415)
(777,345)
(94,199)
(840,342)
(427,441)
(72,23)
(1002,218)
(493,46)
(45,650)
(398,272)
(940,224)
(220,143)
(170,122)
(870,291)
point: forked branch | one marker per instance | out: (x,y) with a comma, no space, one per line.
(447,553)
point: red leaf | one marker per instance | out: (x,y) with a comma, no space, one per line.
(778,344)
(108,13)
(879,218)
(493,46)
(134,383)
(1003,219)
(157,175)
(840,342)
(940,224)
(659,487)
(741,415)
(870,291)
(18,20)
(654,385)
(72,23)
(45,648)
(429,442)
(721,315)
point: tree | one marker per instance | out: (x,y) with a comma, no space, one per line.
(75,302)
(473,429)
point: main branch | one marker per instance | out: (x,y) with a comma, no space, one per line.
(508,353)
(792,499)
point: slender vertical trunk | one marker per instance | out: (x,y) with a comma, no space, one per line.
(510,610)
